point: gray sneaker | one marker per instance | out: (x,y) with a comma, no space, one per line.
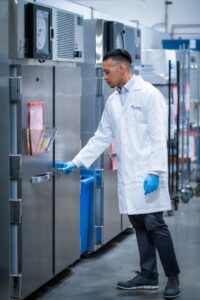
(139,283)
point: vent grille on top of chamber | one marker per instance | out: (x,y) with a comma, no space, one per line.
(65,35)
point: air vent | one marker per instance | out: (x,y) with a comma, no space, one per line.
(65,35)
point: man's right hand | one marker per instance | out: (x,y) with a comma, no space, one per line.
(69,167)
(66,167)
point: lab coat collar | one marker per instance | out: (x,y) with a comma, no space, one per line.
(137,86)
(134,84)
(137,83)
(128,86)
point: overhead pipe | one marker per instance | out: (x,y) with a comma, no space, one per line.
(165,24)
(92,12)
(157,25)
(167,3)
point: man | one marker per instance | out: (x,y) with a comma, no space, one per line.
(135,115)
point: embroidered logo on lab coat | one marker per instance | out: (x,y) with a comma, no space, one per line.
(136,107)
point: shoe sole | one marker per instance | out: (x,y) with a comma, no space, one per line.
(143,287)
(172,297)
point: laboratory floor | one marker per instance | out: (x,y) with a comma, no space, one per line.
(96,277)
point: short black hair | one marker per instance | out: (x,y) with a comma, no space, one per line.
(118,55)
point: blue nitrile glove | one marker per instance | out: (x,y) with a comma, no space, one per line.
(69,167)
(65,167)
(151,183)
(59,165)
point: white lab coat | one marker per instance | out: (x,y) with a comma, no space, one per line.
(140,132)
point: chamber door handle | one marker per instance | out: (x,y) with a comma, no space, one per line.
(41,178)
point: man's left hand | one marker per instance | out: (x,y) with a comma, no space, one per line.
(151,183)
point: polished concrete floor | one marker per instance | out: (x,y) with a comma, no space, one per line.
(96,277)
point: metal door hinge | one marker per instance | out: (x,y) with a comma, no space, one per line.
(15,166)
(15,211)
(99,72)
(99,82)
(99,180)
(99,91)
(16,286)
(99,234)
(15,89)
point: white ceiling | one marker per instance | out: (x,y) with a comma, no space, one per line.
(150,12)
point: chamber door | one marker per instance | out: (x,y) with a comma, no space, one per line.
(37,196)
(67,145)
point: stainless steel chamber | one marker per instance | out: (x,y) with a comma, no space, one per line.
(45,87)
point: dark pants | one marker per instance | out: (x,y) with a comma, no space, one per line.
(152,233)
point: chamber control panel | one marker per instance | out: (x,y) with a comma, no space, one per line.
(47,33)
(38,31)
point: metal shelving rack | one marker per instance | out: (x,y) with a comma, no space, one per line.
(173,144)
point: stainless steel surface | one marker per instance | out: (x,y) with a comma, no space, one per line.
(14,228)
(114,36)
(4,153)
(91,108)
(16,34)
(125,222)
(67,188)
(112,218)
(91,97)
(99,41)
(42,232)
(88,100)
(37,199)
(95,92)
(132,43)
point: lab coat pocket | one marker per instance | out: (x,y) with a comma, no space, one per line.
(151,197)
